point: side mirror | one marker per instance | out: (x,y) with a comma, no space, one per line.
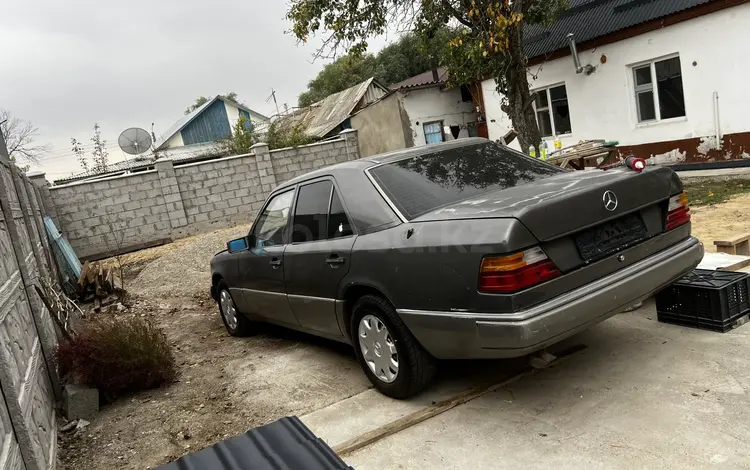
(239,244)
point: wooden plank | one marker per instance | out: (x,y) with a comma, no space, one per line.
(733,241)
(438,408)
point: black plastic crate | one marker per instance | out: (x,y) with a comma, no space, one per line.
(709,300)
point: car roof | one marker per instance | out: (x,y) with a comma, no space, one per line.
(389,157)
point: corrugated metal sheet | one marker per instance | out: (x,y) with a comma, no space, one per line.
(67,260)
(590,19)
(211,125)
(286,444)
(423,79)
(324,116)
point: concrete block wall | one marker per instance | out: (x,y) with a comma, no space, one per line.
(121,213)
(127,213)
(219,192)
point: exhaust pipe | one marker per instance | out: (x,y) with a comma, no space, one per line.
(576,60)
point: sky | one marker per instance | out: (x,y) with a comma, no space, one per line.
(68,64)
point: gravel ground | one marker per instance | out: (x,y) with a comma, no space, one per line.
(226,385)
(185,266)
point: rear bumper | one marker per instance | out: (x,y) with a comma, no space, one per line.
(453,335)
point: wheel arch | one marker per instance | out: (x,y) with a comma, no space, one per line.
(216,278)
(353,292)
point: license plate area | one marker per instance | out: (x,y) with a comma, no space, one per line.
(608,238)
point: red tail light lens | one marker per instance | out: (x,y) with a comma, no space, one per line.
(515,272)
(678,212)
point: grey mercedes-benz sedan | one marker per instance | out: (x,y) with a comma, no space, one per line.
(466,249)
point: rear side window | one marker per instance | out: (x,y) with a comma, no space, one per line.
(338,223)
(311,212)
(421,184)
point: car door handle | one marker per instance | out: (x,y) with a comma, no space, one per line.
(275,263)
(335,260)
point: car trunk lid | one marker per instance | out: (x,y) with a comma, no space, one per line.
(566,203)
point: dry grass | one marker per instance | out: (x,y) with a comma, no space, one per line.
(118,356)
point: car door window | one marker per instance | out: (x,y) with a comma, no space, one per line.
(311,212)
(270,228)
(338,223)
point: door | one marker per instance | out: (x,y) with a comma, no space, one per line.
(318,257)
(261,267)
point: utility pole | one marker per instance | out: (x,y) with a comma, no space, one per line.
(273,95)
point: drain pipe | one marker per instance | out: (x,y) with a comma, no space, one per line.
(717,124)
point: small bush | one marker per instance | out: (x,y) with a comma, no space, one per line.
(117,356)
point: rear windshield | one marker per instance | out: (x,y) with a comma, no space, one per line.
(421,184)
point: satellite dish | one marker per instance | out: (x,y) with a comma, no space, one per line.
(134,141)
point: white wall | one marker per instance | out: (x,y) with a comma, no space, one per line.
(175,141)
(602,105)
(233,114)
(432,104)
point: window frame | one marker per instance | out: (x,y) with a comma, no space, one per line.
(548,108)
(442,130)
(292,208)
(654,89)
(334,188)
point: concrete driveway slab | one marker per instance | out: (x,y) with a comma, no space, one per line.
(643,395)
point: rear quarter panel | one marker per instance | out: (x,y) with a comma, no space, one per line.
(433,265)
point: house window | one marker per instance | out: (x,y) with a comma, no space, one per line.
(433,132)
(552,112)
(466,95)
(658,90)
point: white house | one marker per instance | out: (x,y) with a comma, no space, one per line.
(665,78)
(208,123)
(418,111)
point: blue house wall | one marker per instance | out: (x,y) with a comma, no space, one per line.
(212,124)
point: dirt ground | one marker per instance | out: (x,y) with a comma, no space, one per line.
(229,385)
(226,385)
(718,221)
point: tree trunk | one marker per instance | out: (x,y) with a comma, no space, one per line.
(519,107)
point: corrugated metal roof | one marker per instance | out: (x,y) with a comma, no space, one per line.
(186,154)
(322,117)
(423,79)
(285,444)
(591,19)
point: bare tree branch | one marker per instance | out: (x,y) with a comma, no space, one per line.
(20,138)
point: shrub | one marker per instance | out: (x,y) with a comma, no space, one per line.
(117,356)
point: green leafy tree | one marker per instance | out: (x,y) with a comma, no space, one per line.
(241,141)
(337,76)
(411,55)
(488,43)
(77,149)
(282,135)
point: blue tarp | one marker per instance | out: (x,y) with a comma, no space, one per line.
(67,260)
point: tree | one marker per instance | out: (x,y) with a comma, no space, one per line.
(201,100)
(282,135)
(80,155)
(241,140)
(20,139)
(488,42)
(410,55)
(99,153)
(337,76)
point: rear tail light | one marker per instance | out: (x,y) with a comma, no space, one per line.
(678,212)
(515,272)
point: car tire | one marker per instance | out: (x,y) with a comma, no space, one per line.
(415,366)
(236,323)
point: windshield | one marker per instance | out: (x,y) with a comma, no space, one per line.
(421,184)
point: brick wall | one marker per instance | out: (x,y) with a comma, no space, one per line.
(131,212)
